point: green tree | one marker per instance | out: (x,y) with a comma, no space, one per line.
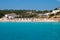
(46,11)
(56,9)
(1,15)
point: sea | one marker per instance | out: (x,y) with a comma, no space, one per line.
(29,30)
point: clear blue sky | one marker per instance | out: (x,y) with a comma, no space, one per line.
(29,4)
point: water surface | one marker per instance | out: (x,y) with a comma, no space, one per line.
(29,31)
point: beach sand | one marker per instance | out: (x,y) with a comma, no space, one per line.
(29,20)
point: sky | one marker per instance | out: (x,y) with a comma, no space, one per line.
(29,4)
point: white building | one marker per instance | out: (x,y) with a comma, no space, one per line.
(48,13)
(11,15)
(44,15)
(55,11)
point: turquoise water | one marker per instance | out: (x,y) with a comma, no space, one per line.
(29,31)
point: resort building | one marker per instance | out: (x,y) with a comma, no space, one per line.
(11,15)
(55,11)
(30,12)
(44,15)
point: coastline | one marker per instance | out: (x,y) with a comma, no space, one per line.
(29,20)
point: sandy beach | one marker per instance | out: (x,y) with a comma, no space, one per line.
(29,20)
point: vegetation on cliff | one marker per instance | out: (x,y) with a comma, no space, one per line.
(26,13)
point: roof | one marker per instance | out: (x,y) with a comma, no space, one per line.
(11,14)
